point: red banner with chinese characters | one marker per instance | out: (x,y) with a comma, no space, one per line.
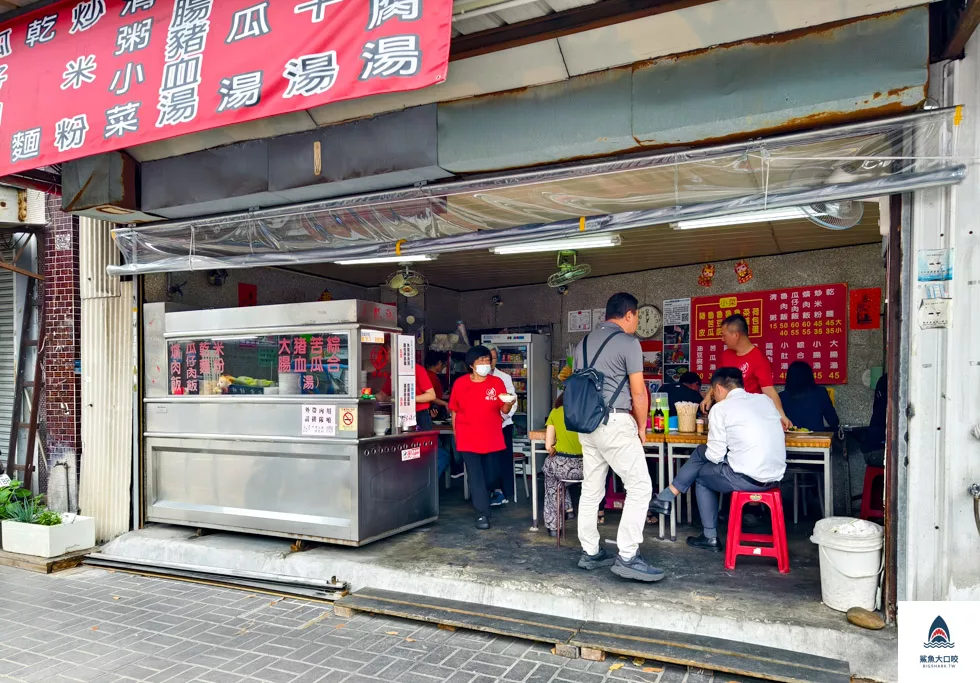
(87,76)
(800,323)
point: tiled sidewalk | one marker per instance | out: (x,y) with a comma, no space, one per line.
(95,625)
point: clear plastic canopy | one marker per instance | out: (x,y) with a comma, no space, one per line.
(854,161)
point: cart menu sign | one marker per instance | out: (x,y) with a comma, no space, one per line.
(800,323)
(79,77)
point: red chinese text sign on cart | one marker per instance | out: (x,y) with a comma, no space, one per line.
(799,323)
(81,77)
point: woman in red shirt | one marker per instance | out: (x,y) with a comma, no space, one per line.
(478,414)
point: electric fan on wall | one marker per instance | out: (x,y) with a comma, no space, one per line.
(407,282)
(568,270)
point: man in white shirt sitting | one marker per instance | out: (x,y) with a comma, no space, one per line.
(746,451)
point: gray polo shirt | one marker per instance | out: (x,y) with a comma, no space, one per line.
(621,358)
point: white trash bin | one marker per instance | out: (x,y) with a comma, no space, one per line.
(850,561)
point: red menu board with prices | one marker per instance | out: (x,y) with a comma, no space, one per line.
(800,323)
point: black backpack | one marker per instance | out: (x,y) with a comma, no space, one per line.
(585,408)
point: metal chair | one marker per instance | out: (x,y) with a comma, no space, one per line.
(563,485)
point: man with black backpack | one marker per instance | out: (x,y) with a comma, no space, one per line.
(606,402)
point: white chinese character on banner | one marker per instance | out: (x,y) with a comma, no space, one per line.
(86,14)
(123,79)
(78,72)
(243,90)
(817,354)
(134,6)
(834,365)
(69,133)
(250,22)
(186,40)
(383,10)
(311,74)
(830,291)
(177,106)
(392,56)
(188,12)
(317,7)
(41,30)
(817,365)
(829,314)
(133,37)
(3,75)
(5,43)
(123,119)
(25,144)
(834,354)
(801,345)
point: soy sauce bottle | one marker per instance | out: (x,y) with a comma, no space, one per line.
(659,421)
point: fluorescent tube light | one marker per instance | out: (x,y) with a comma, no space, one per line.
(572,243)
(787,214)
(414,258)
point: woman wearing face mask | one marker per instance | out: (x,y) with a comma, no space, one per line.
(478,413)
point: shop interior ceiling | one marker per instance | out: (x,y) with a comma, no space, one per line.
(649,248)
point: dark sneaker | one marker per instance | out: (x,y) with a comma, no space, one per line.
(553,532)
(482,522)
(660,507)
(497,499)
(637,569)
(702,541)
(600,559)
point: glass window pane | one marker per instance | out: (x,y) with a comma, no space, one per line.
(314,363)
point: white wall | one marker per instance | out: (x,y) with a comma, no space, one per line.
(942,543)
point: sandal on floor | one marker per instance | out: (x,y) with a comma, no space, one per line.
(602,516)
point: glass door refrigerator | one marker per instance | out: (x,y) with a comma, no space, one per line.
(525,357)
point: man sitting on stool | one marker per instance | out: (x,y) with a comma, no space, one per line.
(746,451)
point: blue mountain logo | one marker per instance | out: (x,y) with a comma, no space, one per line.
(939,635)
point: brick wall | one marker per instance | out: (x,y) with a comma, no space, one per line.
(61,405)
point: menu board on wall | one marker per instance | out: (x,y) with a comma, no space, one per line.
(799,323)
(677,339)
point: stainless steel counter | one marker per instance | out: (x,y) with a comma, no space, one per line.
(247,462)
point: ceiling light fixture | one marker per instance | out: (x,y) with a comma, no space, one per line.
(414,258)
(569,243)
(786,214)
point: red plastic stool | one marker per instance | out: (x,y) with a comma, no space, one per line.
(873,491)
(778,547)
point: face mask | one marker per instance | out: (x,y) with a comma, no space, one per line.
(482,370)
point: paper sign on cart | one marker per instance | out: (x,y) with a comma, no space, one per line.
(348,420)
(319,420)
(411,454)
(580,321)
(372,337)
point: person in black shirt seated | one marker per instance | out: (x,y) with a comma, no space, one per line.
(873,444)
(806,404)
(687,388)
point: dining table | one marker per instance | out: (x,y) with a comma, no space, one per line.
(807,448)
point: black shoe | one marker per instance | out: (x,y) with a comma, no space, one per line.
(660,507)
(569,516)
(702,541)
(552,532)
(482,522)
(600,559)
(637,569)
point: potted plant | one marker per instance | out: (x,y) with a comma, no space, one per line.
(29,528)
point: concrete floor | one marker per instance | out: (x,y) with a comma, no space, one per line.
(511,566)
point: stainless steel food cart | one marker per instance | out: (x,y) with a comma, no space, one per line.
(254,422)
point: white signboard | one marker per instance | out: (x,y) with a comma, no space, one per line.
(580,321)
(319,420)
(372,337)
(677,312)
(406,380)
(406,355)
(598,316)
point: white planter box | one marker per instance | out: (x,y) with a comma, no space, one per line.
(48,541)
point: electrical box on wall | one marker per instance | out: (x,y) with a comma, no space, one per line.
(21,207)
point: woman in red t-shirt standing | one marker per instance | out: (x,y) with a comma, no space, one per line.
(478,413)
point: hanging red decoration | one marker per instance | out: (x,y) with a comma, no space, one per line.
(707,275)
(743,272)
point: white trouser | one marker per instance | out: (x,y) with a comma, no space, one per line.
(617,445)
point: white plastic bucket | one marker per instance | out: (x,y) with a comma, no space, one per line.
(849,565)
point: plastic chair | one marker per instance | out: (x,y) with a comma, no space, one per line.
(563,485)
(873,492)
(804,480)
(778,548)
(522,461)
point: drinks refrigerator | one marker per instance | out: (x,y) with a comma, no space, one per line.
(525,357)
